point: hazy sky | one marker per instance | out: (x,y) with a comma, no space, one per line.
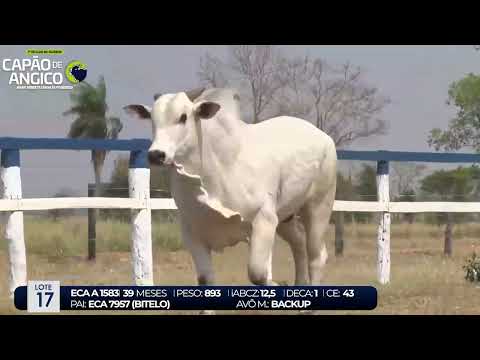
(416,78)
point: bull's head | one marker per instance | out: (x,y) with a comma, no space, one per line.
(174,118)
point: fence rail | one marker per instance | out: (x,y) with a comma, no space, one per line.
(141,204)
(86,203)
(12,143)
(169,204)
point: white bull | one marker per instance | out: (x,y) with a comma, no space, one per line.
(234,181)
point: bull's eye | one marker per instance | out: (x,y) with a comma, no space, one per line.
(183,119)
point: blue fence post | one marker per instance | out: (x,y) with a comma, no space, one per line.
(383,235)
(141,220)
(14,231)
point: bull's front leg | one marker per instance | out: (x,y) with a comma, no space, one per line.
(203,263)
(202,259)
(261,247)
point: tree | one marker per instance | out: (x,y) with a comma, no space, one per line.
(366,188)
(464,129)
(89,106)
(344,191)
(345,188)
(408,195)
(367,183)
(335,99)
(212,72)
(404,183)
(55,214)
(405,177)
(453,185)
(253,68)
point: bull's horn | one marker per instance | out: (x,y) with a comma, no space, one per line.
(195,93)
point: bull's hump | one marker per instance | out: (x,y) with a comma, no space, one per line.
(289,133)
(289,123)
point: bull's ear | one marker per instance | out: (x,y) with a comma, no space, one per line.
(138,110)
(207,110)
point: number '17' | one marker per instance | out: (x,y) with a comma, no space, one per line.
(49,295)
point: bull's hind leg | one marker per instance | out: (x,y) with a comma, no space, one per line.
(315,216)
(294,234)
(270,266)
(261,246)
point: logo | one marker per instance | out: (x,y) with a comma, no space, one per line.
(76,71)
(43,69)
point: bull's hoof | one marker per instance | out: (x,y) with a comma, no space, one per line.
(283,283)
(207,312)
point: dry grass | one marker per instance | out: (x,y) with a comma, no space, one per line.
(423,280)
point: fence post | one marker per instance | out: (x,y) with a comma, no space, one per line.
(139,188)
(14,232)
(383,236)
(92,227)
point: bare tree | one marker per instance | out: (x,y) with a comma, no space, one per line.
(334,99)
(258,67)
(405,176)
(291,99)
(404,185)
(212,72)
(252,68)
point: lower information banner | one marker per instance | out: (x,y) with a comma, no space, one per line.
(49,296)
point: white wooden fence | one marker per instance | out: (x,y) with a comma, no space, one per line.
(141,204)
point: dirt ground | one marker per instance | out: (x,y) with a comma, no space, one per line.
(423,281)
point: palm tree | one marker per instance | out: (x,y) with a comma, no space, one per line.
(90,108)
